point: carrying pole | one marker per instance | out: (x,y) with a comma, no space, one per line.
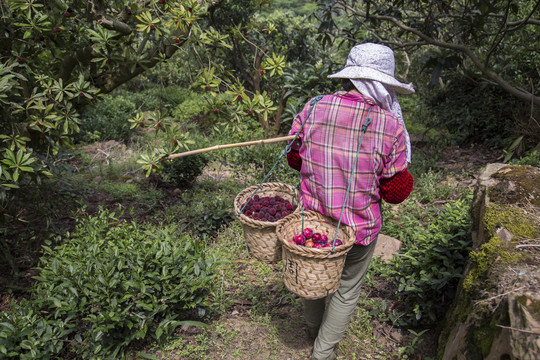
(227,146)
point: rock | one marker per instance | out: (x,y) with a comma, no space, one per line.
(496,312)
(386,247)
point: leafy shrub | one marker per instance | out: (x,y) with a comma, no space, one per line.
(532,159)
(183,171)
(162,98)
(208,209)
(189,108)
(108,120)
(430,265)
(112,283)
(259,160)
(487,119)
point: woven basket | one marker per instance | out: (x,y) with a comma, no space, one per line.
(313,273)
(260,236)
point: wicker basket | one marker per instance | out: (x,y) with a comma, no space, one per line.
(260,236)
(313,273)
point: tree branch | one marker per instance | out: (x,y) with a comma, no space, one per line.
(490,74)
(110,81)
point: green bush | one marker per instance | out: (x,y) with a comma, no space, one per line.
(430,264)
(472,119)
(107,120)
(110,284)
(532,159)
(183,171)
(160,98)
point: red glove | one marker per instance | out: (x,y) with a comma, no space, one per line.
(293,157)
(397,188)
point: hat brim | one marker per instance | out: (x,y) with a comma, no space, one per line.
(359,72)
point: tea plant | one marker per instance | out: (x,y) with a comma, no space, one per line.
(430,264)
(109,284)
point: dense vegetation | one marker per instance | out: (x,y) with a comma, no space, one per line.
(109,247)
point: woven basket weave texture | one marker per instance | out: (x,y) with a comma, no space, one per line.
(260,236)
(313,273)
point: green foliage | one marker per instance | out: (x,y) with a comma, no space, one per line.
(428,268)
(107,121)
(471,119)
(56,57)
(257,161)
(109,285)
(184,171)
(532,159)
(208,208)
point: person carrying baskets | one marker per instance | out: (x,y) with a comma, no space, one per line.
(328,145)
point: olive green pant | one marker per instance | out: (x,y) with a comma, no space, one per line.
(332,322)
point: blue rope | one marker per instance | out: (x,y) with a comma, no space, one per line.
(364,129)
(286,150)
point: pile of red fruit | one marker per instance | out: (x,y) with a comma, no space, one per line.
(268,208)
(314,240)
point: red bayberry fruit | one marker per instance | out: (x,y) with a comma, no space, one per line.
(42,136)
(324,239)
(309,243)
(177,41)
(299,239)
(288,207)
(272,211)
(239,97)
(190,9)
(37,123)
(67,14)
(81,94)
(327,245)
(316,238)
(158,124)
(19,59)
(190,23)
(308,233)
(262,72)
(141,123)
(207,88)
(216,111)
(338,243)
(258,207)
(250,112)
(60,140)
(153,166)
(152,27)
(279,215)
(162,159)
(266,203)
(162,1)
(317,246)
(57,29)
(109,61)
(256,197)
(175,141)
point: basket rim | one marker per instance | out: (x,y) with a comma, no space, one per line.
(341,250)
(257,223)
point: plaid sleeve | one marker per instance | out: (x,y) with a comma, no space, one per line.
(395,160)
(298,120)
(397,188)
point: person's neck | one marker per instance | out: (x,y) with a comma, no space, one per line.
(354,91)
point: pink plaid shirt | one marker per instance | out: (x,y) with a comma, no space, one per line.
(330,139)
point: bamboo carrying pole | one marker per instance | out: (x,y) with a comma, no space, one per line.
(227,146)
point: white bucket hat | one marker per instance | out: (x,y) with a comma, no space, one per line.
(373,62)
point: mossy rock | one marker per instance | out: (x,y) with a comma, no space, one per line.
(496,294)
